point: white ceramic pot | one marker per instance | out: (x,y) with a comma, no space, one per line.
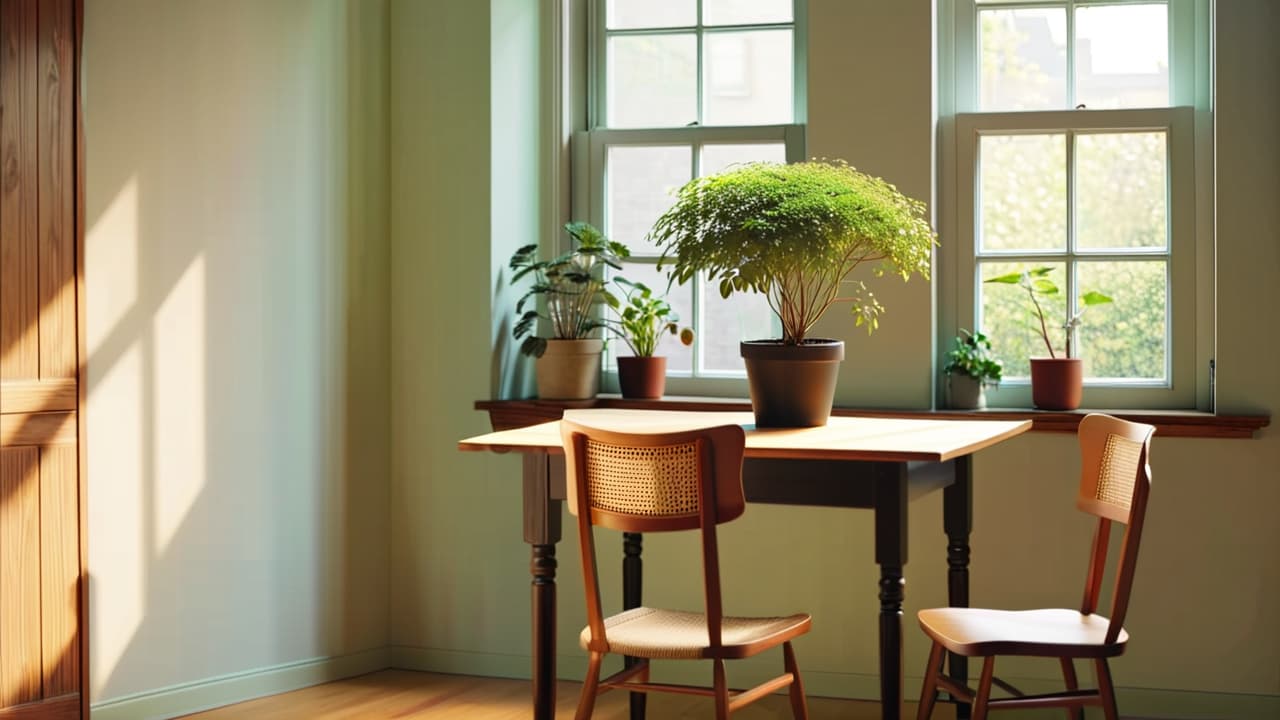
(964,392)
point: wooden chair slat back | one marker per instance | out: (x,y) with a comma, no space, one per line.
(1115,482)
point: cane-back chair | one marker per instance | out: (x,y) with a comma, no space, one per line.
(659,482)
(1115,481)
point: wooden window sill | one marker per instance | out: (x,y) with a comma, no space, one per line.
(507,414)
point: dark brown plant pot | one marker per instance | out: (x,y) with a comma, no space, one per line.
(1056,383)
(642,378)
(792,385)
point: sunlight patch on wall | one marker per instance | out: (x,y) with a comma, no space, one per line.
(111,249)
(117,512)
(178,401)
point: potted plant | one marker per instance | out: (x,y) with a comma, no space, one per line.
(570,287)
(1057,382)
(970,368)
(794,233)
(642,321)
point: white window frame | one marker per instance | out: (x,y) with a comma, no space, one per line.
(590,150)
(1187,123)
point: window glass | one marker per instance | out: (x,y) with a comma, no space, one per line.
(640,182)
(745,12)
(624,14)
(653,80)
(748,78)
(1023,193)
(1121,186)
(1009,317)
(1125,339)
(1122,56)
(1023,59)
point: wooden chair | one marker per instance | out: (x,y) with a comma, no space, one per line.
(1115,481)
(658,482)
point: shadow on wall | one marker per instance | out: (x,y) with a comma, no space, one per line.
(237,418)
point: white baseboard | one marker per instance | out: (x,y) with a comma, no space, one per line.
(1146,703)
(238,687)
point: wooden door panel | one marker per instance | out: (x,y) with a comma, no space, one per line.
(57,263)
(20,670)
(42,614)
(19,206)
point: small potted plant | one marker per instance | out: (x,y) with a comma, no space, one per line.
(1057,381)
(570,288)
(642,321)
(970,368)
(794,233)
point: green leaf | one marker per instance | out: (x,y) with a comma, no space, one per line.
(1011,279)
(1093,297)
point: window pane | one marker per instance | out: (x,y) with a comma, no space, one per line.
(1125,338)
(640,182)
(1122,56)
(718,157)
(679,357)
(1024,59)
(1009,317)
(653,80)
(1120,190)
(745,12)
(748,78)
(621,14)
(727,322)
(1023,192)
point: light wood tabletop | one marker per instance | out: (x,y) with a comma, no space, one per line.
(842,438)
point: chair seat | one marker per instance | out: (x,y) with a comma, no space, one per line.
(976,632)
(673,634)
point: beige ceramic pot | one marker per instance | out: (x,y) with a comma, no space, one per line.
(569,370)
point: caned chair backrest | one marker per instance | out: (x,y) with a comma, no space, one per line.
(653,482)
(1115,481)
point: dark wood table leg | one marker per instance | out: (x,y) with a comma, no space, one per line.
(891,556)
(632,583)
(957,519)
(542,532)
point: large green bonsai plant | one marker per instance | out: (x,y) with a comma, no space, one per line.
(794,233)
(572,285)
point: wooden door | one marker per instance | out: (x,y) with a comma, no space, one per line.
(42,578)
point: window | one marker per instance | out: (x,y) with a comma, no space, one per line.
(684,89)
(1079,143)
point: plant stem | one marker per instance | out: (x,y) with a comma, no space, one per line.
(1044,330)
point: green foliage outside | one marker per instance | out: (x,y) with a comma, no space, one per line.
(794,233)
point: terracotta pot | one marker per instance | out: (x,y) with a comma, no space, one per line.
(569,370)
(792,385)
(1056,383)
(965,392)
(642,378)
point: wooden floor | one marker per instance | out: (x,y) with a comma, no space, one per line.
(406,695)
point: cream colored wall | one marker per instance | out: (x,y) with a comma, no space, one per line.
(1202,607)
(236,263)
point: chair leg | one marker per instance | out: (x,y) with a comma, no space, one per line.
(799,707)
(590,685)
(929,692)
(1069,676)
(984,688)
(1106,690)
(722,691)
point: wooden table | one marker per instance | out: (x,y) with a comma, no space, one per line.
(853,462)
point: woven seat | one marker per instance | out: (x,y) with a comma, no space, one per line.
(674,634)
(661,482)
(1115,481)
